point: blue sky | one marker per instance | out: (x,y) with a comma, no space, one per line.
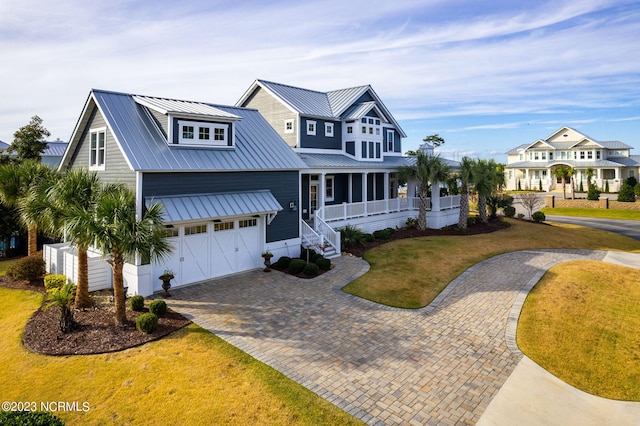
(486,75)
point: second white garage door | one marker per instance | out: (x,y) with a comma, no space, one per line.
(210,250)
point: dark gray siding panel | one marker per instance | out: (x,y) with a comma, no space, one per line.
(350,147)
(320,140)
(305,197)
(116,167)
(340,191)
(283,185)
(366,97)
(356,181)
(397,139)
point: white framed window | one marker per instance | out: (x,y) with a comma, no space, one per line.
(349,129)
(370,130)
(390,141)
(632,173)
(582,155)
(535,155)
(597,155)
(371,121)
(551,156)
(195,229)
(543,155)
(372,152)
(364,149)
(247,223)
(589,155)
(311,128)
(329,182)
(328,130)
(170,231)
(364,120)
(200,133)
(364,130)
(377,122)
(288,126)
(223,226)
(98,142)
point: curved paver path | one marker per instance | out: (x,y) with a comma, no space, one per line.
(442,364)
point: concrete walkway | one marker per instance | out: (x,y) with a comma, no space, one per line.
(443,364)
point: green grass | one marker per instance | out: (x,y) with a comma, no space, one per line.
(597,213)
(410,273)
(191,377)
(5,265)
(581,322)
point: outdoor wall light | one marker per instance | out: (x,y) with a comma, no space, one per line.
(292,206)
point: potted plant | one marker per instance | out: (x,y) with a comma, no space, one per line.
(166,278)
(267,255)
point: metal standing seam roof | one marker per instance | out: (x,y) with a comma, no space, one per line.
(304,101)
(173,106)
(55,149)
(358,111)
(343,161)
(257,144)
(182,208)
(3,145)
(572,163)
(342,99)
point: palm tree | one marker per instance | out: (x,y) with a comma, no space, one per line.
(485,183)
(122,236)
(589,173)
(427,168)
(562,172)
(467,176)
(72,201)
(572,173)
(22,185)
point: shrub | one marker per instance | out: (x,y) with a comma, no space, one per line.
(351,236)
(54,282)
(636,189)
(323,263)
(593,193)
(581,189)
(311,269)
(383,234)
(158,307)
(28,268)
(520,215)
(296,266)
(29,418)
(369,237)
(63,298)
(137,303)
(509,211)
(606,186)
(472,220)
(626,194)
(147,323)
(283,262)
(538,216)
(411,222)
(540,186)
(632,181)
(307,254)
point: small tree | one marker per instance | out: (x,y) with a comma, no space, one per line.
(63,299)
(636,189)
(434,140)
(581,189)
(540,185)
(631,180)
(29,141)
(594,193)
(626,193)
(519,185)
(589,172)
(530,201)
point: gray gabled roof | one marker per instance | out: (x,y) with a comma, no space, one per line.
(344,161)
(55,149)
(330,105)
(573,163)
(180,208)
(257,145)
(174,106)
(3,145)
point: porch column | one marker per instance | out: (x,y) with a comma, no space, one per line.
(386,192)
(435,196)
(527,179)
(365,176)
(350,189)
(321,192)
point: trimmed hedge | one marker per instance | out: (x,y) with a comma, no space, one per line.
(323,263)
(54,282)
(538,217)
(311,269)
(283,262)
(296,266)
(509,211)
(28,268)
(158,307)
(136,303)
(147,323)
(29,418)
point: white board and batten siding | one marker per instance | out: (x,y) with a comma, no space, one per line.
(63,259)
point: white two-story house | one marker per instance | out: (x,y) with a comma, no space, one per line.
(532,165)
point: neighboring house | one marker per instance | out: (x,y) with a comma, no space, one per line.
(229,184)
(3,146)
(530,164)
(52,155)
(352,147)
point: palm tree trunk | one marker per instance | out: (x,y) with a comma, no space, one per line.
(573,189)
(464,207)
(82,290)
(118,293)
(32,240)
(564,190)
(482,208)
(422,212)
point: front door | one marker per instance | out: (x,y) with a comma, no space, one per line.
(313,198)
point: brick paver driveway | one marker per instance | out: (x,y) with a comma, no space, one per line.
(442,364)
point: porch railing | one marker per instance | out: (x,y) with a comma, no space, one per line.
(327,235)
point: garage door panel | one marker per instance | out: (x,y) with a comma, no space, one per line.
(195,250)
(223,252)
(248,255)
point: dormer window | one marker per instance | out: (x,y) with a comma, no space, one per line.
(328,130)
(203,133)
(311,128)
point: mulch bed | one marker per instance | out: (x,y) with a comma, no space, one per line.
(478,228)
(94,331)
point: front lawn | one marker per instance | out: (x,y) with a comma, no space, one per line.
(411,273)
(581,322)
(6,264)
(597,213)
(190,376)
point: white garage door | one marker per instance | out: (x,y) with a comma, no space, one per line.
(210,250)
